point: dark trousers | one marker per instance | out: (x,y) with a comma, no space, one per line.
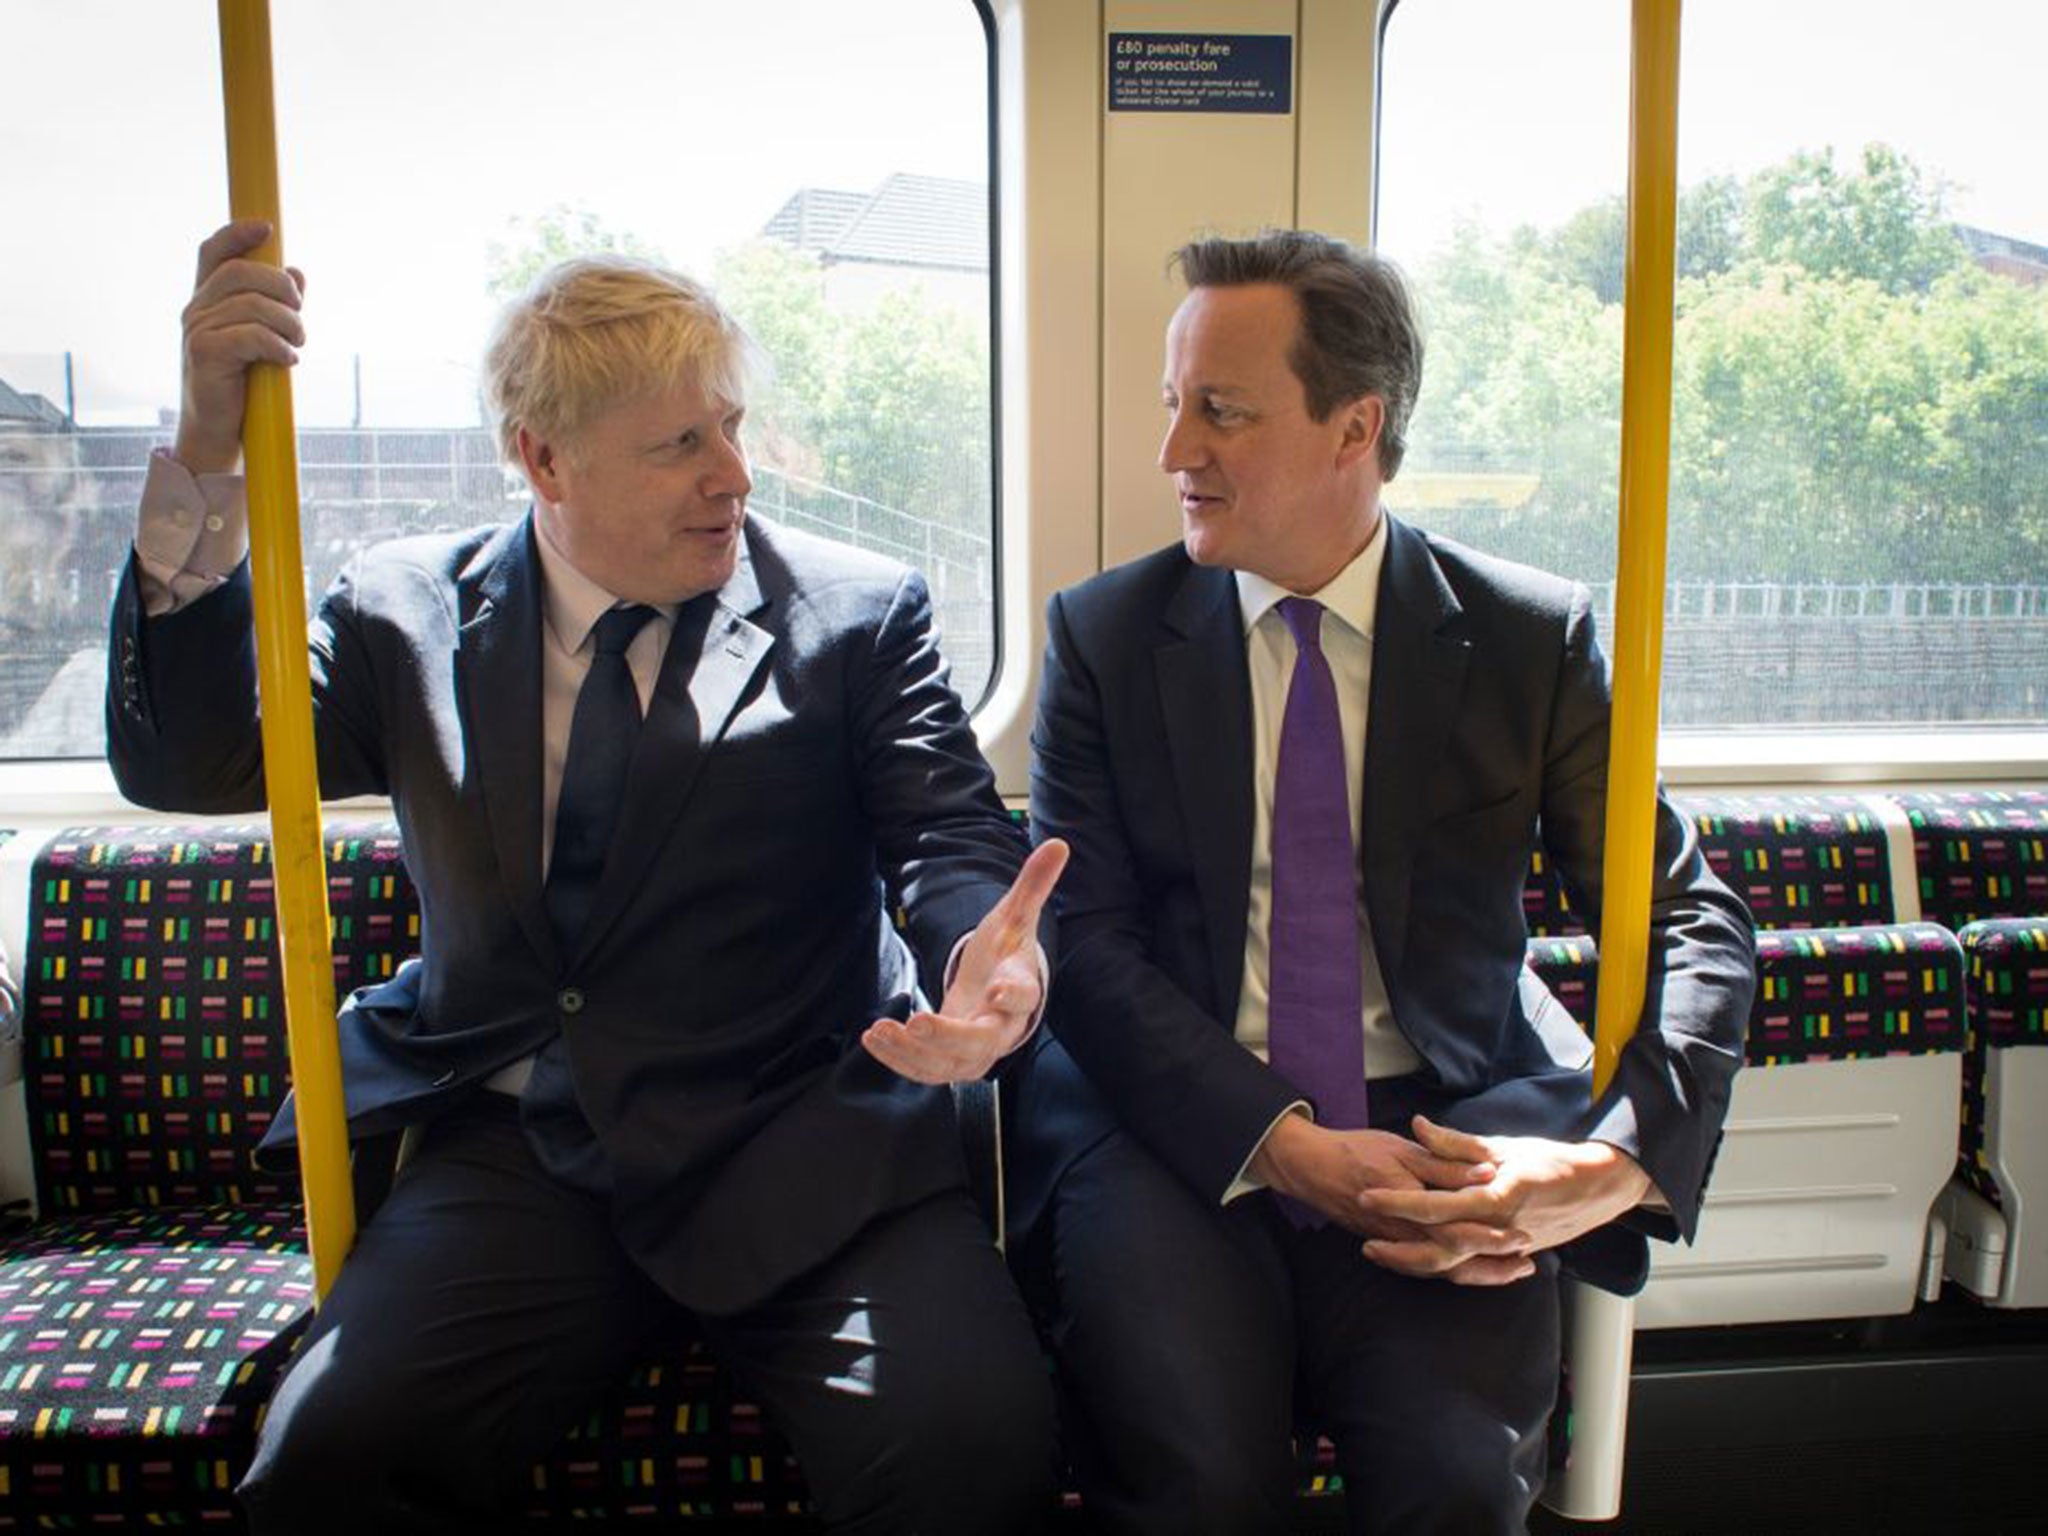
(1192,1339)
(486,1306)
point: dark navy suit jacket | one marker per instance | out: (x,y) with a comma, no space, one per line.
(1488,727)
(804,770)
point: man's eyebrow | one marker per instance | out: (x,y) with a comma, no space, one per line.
(1207,391)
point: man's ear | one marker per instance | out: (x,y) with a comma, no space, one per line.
(540,459)
(1362,420)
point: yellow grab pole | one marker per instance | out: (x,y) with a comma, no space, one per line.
(1638,640)
(291,775)
(1603,1325)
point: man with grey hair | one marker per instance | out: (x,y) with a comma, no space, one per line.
(1305,1130)
(662,770)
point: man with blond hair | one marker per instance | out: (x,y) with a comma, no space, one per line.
(659,767)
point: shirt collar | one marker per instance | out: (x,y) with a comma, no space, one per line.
(573,602)
(1352,595)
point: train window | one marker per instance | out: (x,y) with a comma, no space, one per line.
(824,166)
(1859,492)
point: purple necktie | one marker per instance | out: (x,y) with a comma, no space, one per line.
(1315,1014)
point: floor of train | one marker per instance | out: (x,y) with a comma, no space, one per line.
(1936,1422)
(1933,1422)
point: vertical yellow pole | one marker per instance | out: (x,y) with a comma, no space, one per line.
(291,775)
(1638,641)
(1602,1325)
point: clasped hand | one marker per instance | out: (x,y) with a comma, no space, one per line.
(994,994)
(1539,1194)
(1470,1209)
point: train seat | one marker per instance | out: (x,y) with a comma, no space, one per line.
(1997,1208)
(1836,1144)
(146,1312)
(1981,853)
(151,1306)
(1983,857)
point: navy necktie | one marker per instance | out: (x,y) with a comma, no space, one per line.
(1316,1003)
(601,737)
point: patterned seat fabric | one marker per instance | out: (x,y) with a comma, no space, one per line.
(1570,967)
(676,1442)
(155,1017)
(1809,861)
(137,1350)
(145,1320)
(1545,907)
(151,1309)
(1844,993)
(1822,993)
(1981,853)
(2008,1007)
(1796,860)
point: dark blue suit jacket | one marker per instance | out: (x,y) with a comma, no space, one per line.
(804,769)
(1488,728)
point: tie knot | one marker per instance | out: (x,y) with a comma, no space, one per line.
(1304,617)
(615,631)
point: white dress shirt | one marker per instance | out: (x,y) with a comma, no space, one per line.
(1350,601)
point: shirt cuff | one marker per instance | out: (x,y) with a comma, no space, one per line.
(191,531)
(1248,1182)
(1044,983)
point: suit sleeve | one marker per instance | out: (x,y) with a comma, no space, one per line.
(946,848)
(1173,1072)
(184,728)
(1669,1094)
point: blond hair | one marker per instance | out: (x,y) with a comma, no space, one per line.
(594,330)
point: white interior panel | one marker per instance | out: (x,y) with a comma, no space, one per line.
(2016,1144)
(1819,1204)
(1166,178)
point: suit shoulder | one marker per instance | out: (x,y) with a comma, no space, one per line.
(442,556)
(1479,578)
(1136,588)
(810,562)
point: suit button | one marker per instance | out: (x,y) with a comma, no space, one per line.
(569,1000)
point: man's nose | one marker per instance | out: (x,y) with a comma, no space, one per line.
(1182,446)
(729,474)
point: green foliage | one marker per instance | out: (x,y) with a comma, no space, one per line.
(1883,222)
(1590,249)
(890,402)
(1853,399)
(535,243)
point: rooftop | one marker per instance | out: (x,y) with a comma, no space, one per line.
(930,222)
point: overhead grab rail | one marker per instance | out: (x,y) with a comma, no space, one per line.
(290,766)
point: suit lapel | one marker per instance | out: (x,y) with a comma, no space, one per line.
(1418,678)
(498,663)
(1205,694)
(712,657)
